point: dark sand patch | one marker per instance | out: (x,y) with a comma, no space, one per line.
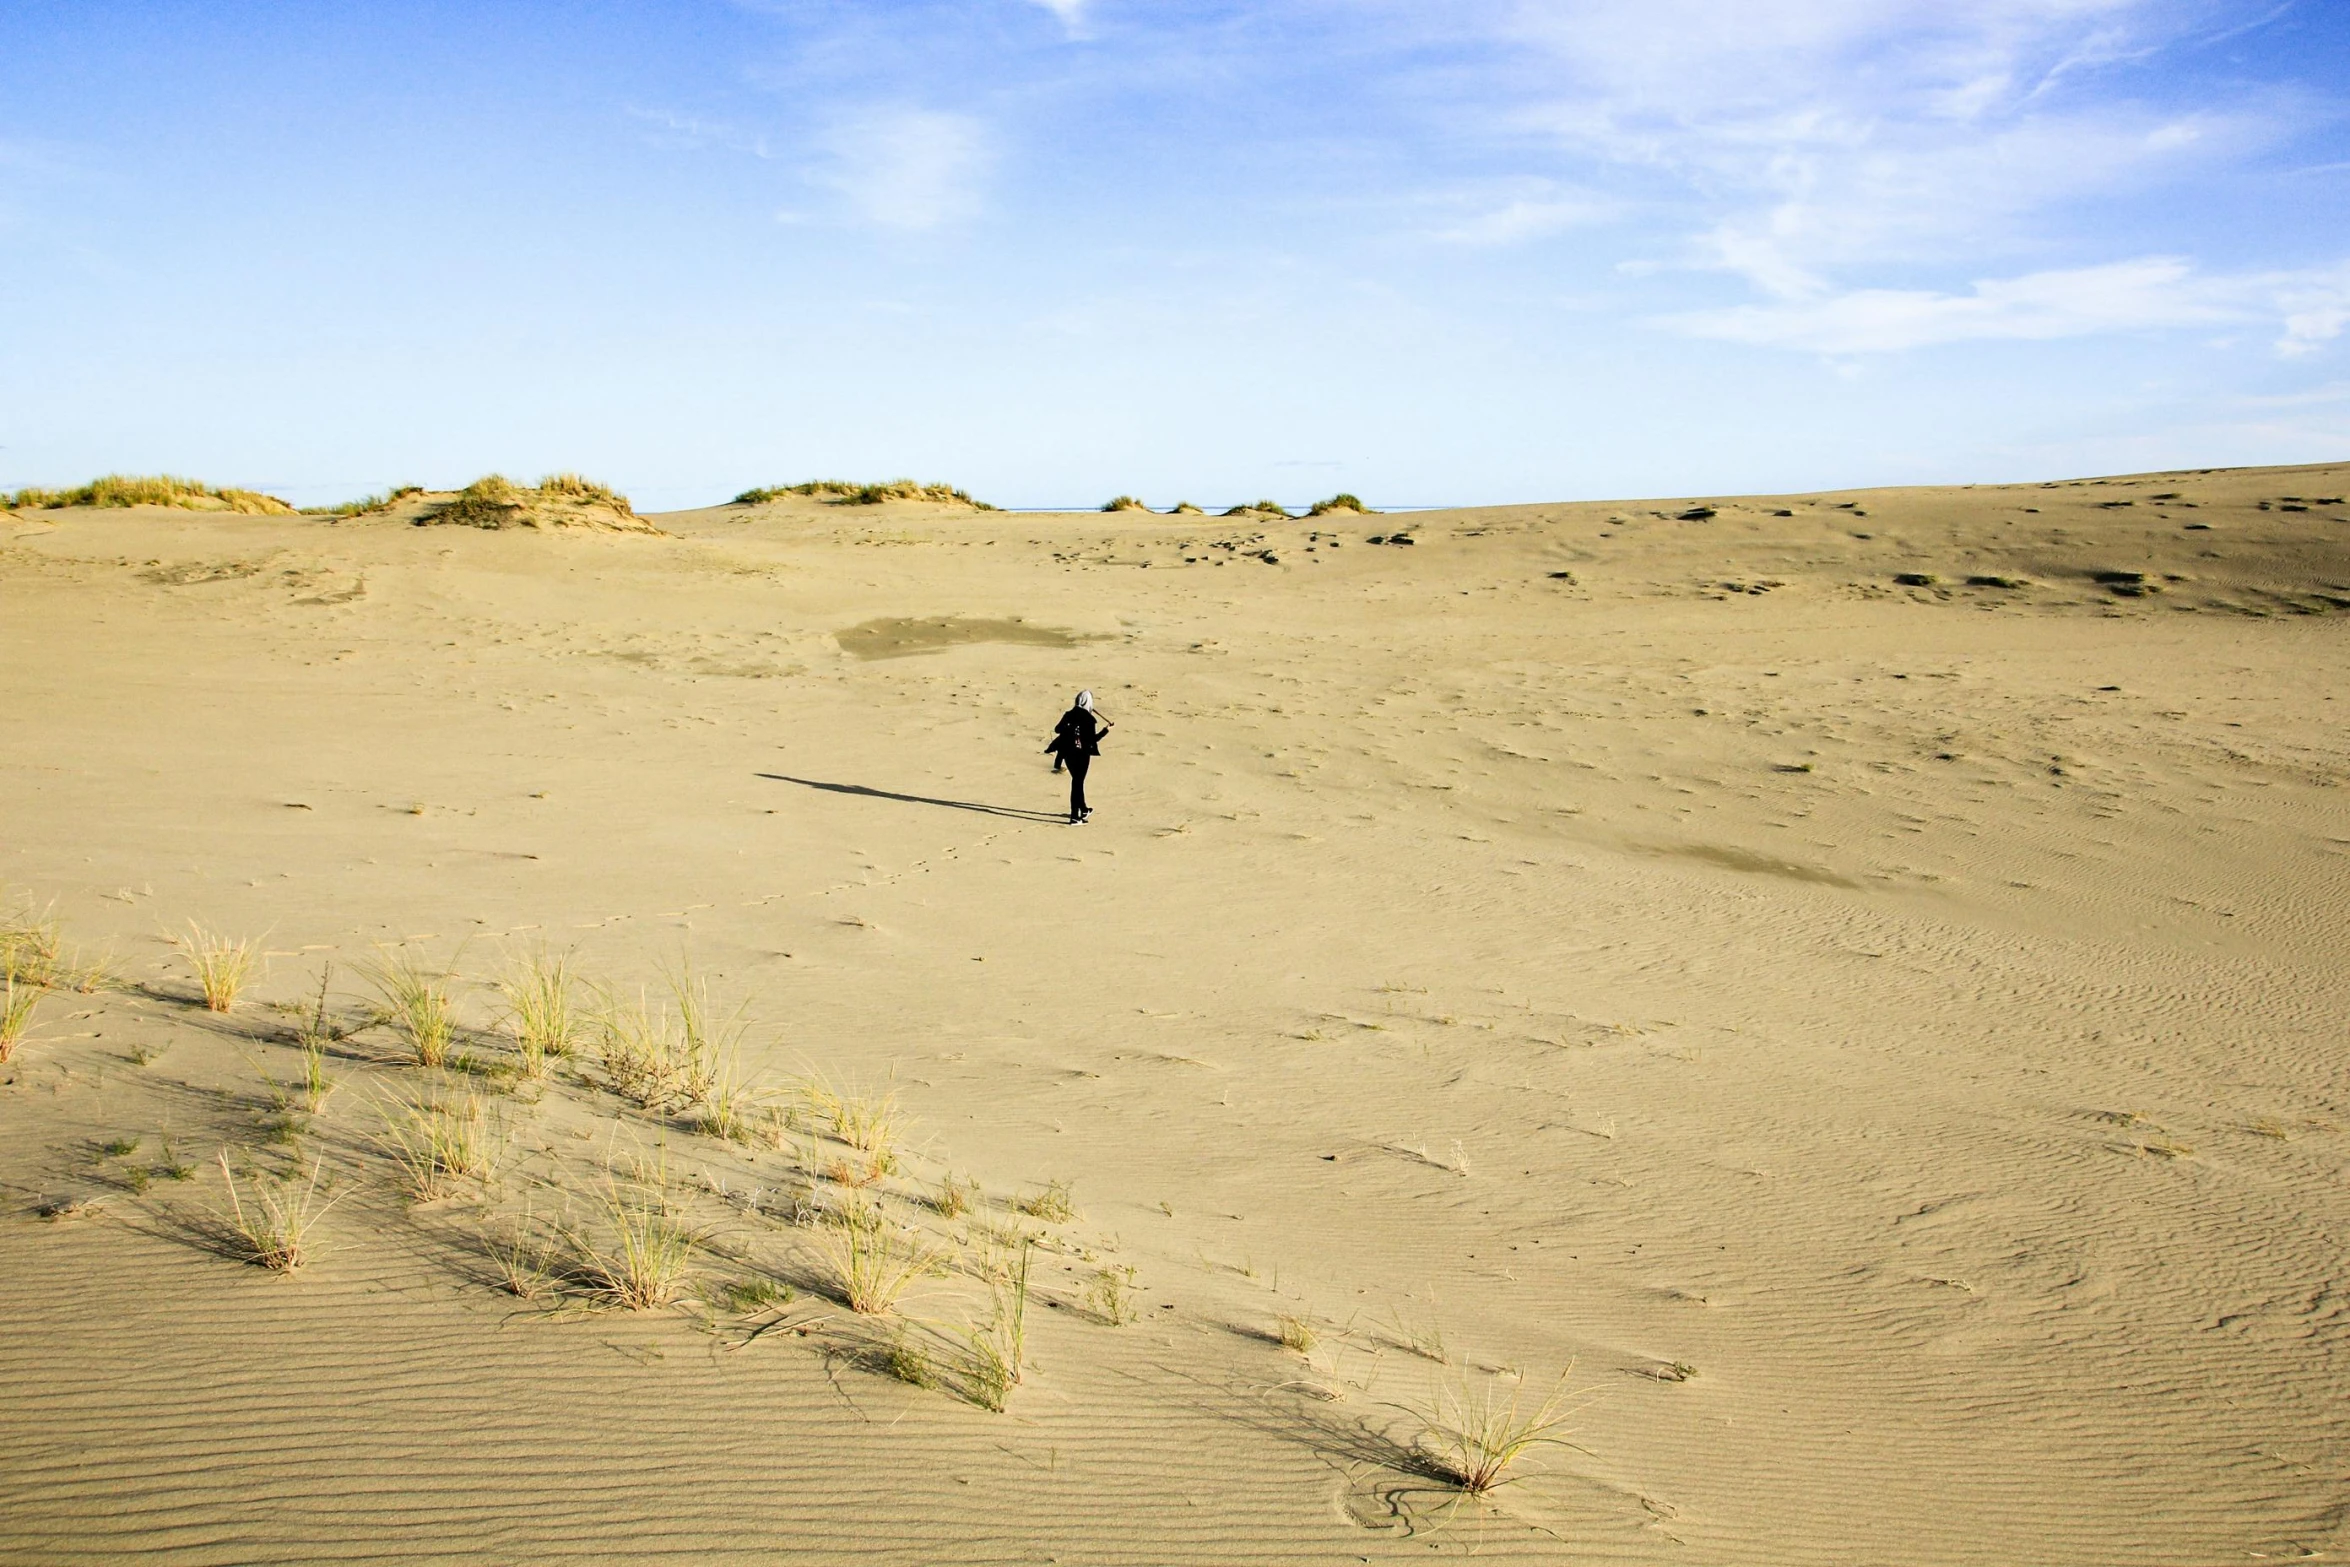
(901,638)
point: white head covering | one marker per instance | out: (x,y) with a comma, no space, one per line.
(1085,700)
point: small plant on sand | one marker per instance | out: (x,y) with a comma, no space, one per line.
(221,966)
(647,1253)
(1339,502)
(868,1123)
(439,1144)
(541,1015)
(952,1198)
(524,1258)
(1297,1332)
(18,997)
(997,1354)
(908,1361)
(1056,1204)
(1421,1336)
(869,1261)
(1259,508)
(270,1220)
(1113,1292)
(1474,1439)
(32,945)
(417,1002)
(1125,503)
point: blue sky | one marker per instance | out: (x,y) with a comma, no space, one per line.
(1471,251)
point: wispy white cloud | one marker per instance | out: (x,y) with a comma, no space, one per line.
(2309,309)
(1071,12)
(1810,137)
(910,169)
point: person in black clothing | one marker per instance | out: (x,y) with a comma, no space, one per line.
(1077,740)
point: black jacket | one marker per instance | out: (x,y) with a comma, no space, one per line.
(1078,733)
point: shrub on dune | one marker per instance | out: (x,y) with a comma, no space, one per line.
(161,489)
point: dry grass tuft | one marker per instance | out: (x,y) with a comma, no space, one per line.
(440,1144)
(32,945)
(18,998)
(1056,1204)
(417,1003)
(367,505)
(1113,1293)
(222,966)
(1474,1440)
(162,489)
(1342,501)
(869,1261)
(951,1198)
(271,1223)
(649,1253)
(1259,508)
(1297,1332)
(1125,503)
(539,990)
(997,1354)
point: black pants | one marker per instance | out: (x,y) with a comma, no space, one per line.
(1078,761)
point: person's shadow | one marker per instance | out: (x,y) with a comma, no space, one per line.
(1013,811)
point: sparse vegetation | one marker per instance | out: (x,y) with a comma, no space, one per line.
(869,1261)
(1125,503)
(951,1198)
(270,1223)
(1112,1292)
(162,489)
(495,501)
(1473,1440)
(441,1143)
(997,1354)
(649,1254)
(539,994)
(32,944)
(367,505)
(1342,501)
(222,966)
(1184,509)
(18,998)
(1256,508)
(417,1004)
(847,492)
(1056,1204)
(1297,1331)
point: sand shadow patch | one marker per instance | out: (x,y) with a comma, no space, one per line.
(893,637)
(1749,862)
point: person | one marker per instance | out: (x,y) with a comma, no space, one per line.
(1077,740)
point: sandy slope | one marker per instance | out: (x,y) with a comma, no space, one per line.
(1919,1009)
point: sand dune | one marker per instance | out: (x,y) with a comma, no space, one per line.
(1859,977)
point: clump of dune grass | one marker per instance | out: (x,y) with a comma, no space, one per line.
(1112,1292)
(1055,1204)
(1125,503)
(525,1260)
(1474,1439)
(997,1354)
(1185,509)
(417,1003)
(1257,508)
(869,1261)
(953,1198)
(585,492)
(32,943)
(161,489)
(541,1011)
(1297,1331)
(18,998)
(270,1222)
(367,505)
(1423,1337)
(643,1254)
(1342,501)
(847,492)
(222,966)
(495,501)
(440,1143)
(679,1056)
